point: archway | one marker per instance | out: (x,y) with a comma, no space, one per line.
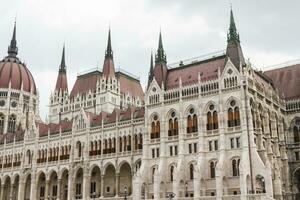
(260,184)
(41,185)
(162,190)
(53,185)
(27,187)
(296,181)
(125,179)
(78,183)
(7,188)
(95,190)
(143,191)
(15,188)
(110,181)
(64,185)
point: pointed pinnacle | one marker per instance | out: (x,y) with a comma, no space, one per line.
(63,62)
(233,35)
(109,52)
(13,49)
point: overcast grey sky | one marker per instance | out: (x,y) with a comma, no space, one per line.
(269,32)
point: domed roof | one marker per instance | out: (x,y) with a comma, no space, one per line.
(14,73)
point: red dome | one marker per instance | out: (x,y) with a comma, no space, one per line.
(13,71)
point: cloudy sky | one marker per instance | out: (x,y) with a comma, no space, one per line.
(269,32)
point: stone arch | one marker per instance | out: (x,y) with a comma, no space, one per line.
(95,181)
(16,183)
(125,173)
(162,189)
(7,188)
(260,184)
(207,105)
(41,185)
(171,110)
(53,186)
(27,186)
(78,183)
(64,176)
(109,180)
(151,117)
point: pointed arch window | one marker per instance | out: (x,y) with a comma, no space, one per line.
(191,171)
(235,167)
(212,118)
(173,125)
(12,124)
(233,115)
(296,135)
(192,122)
(212,169)
(1,123)
(155,128)
(172,173)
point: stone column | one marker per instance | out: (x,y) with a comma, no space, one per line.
(102,186)
(21,189)
(58,189)
(12,193)
(33,187)
(85,185)
(117,184)
(47,189)
(70,185)
(2,191)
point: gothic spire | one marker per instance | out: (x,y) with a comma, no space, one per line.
(151,74)
(13,49)
(234,51)
(160,56)
(62,66)
(109,52)
(232,35)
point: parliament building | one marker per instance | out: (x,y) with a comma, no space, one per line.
(209,128)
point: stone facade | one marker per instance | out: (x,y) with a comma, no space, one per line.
(210,128)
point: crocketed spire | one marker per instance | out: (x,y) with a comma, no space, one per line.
(13,49)
(160,56)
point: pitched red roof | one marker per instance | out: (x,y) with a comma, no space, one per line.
(61,82)
(287,80)
(64,125)
(208,70)
(130,85)
(85,82)
(108,68)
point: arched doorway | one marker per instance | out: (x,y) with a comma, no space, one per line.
(296,181)
(260,184)
(78,183)
(27,187)
(53,185)
(41,185)
(95,190)
(125,179)
(15,188)
(110,181)
(64,185)
(7,188)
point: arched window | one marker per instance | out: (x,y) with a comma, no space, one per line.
(191,171)
(233,115)
(234,168)
(215,120)
(212,169)
(1,123)
(212,118)
(12,124)
(296,135)
(192,125)
(155,128)
(120,144)
(78,149)
(173,125)
(172,173)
